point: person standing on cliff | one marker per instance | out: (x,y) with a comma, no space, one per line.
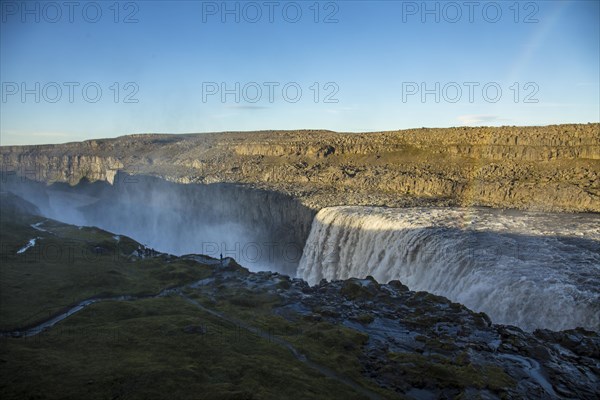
(221,259)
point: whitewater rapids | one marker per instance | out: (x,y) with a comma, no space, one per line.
(532,270)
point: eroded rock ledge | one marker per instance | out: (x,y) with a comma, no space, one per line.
(416,344)
(552,168)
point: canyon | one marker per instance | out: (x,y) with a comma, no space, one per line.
(395,264)
(253,196)
(546,168)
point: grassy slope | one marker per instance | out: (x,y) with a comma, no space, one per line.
(140,350)
(133,349)
(69,264)
(333,346)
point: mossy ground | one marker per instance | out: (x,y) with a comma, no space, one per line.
(168,348)
(139,350)
(459,373)
(132,349)
(333,346)
(68,264)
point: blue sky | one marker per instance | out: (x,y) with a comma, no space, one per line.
(96,70)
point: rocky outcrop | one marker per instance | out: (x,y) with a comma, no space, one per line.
(69,168)
(553,168)
(418,345)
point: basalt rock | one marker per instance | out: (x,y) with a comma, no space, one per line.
(424,346)
(551,168)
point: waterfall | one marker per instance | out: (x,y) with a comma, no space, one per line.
(533,270)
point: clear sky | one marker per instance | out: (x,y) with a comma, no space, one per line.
(82,70)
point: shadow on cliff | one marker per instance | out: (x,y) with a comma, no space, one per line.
(262,230)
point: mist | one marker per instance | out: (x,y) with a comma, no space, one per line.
(261,230)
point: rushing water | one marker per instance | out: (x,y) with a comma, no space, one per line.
(533,270)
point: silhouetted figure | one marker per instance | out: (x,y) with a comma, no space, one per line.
(221,259)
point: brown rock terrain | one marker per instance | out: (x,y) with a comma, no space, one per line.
(552,168)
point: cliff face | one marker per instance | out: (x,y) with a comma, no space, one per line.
(544,168)
(71,168)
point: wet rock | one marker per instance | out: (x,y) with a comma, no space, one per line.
(398,285)
(420,344)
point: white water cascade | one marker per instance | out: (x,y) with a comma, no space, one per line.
(533,270)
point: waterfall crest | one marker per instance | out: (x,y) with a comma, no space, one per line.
(533,270)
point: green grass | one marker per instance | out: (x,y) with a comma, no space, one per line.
(139,350)
(68,265)
(418,369)
(333,346)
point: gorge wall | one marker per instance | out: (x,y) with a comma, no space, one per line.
(253,196)
(262,230)
(552,168)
